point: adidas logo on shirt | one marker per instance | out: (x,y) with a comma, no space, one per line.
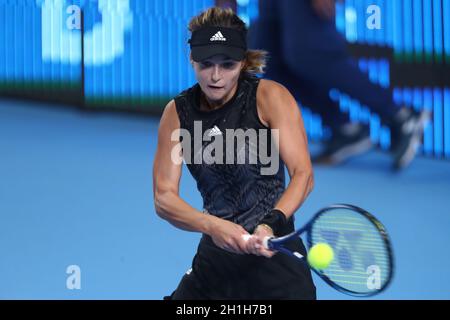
(215,131)
(218,37)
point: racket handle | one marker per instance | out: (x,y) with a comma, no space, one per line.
(266,243)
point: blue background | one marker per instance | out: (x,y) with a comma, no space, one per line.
(76,187)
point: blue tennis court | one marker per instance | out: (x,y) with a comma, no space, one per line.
(76,190)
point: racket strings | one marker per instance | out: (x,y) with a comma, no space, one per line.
(361,261)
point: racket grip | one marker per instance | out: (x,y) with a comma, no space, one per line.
(266,243)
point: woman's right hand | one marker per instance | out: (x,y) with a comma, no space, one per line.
(228,236)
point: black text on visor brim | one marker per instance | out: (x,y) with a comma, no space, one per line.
(200,53)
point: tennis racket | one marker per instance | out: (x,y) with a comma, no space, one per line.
(363,262)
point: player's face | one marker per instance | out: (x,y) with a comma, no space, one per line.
(218,77)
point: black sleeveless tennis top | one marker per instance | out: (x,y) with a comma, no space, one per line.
(235,191)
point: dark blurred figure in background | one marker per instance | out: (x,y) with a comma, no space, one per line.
(309,56)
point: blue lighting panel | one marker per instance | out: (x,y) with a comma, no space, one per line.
(363,65)
(418,99)
(397,95)
(446,17)
(428,134)
(136,52)
(340,17)
(384,76)
(418,31)
(375,125)
(2,46)
(306,115)
(247,10)
(362,31)
(31,56)
(385,138)
(365,114)
(437,31)
(438,122)
(388,22)
(148,62)
(418,104)
(408,28)
(408,96)
(351,19)
(253,10)
(428,30)
(313,124)
(447,122)
(9,38)
(354,111)
(317,127)
(370,35)
(398,28)
(19,44)
(380,34)
(344,102)
(373,70)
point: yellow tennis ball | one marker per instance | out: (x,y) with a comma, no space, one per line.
(320,256)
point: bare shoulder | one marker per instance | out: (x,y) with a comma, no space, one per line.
(169,119)
(271,91)
(271,97)
(170,112)
(267,87)
(170,108)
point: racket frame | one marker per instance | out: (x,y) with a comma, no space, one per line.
(277,244)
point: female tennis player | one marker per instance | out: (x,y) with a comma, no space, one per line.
(240,199)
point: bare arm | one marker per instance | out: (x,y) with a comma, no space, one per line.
(166,179)
(277,109)
(280,110)
(168,203)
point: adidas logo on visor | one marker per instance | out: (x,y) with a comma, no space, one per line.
(218,37)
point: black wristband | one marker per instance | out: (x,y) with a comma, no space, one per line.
(275,219)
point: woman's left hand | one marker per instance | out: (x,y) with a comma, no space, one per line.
(255,242)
